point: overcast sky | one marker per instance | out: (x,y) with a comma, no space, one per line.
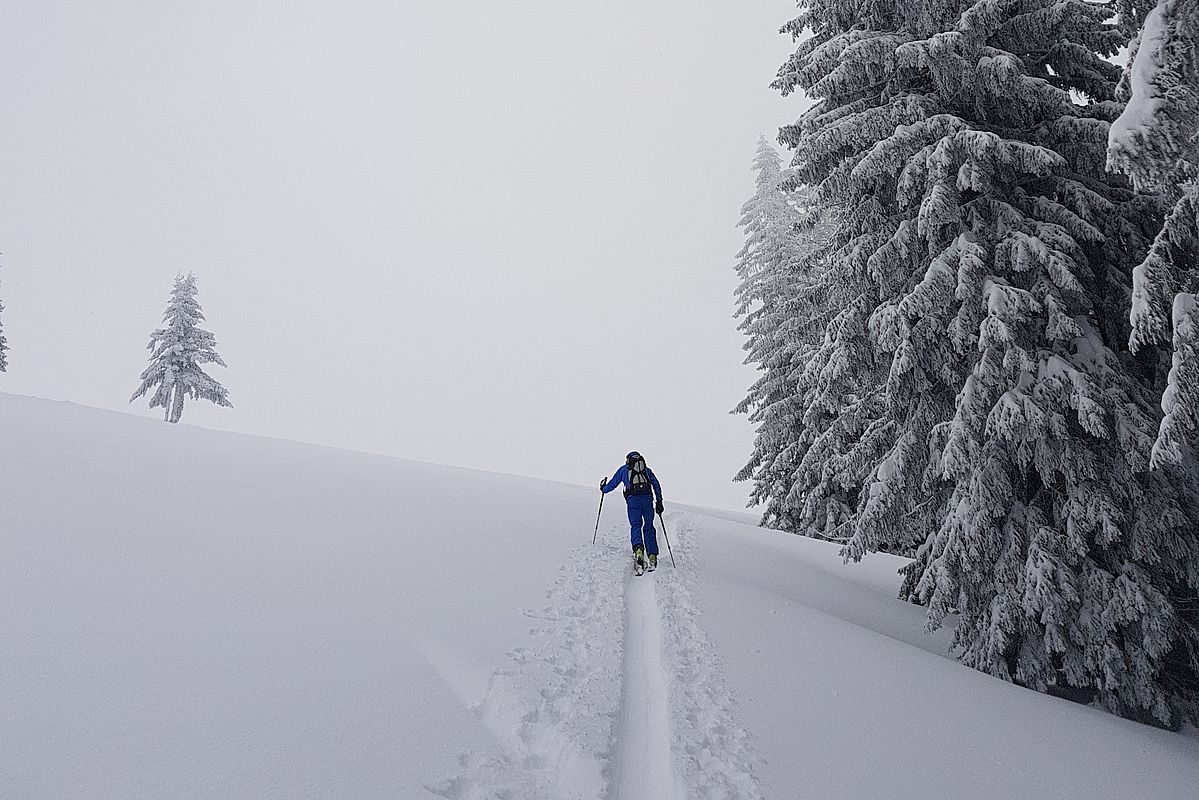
(495,235)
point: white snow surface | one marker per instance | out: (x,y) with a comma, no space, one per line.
(1130,128)
(186,613)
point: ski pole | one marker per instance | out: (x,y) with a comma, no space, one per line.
(597,518)
(666,536)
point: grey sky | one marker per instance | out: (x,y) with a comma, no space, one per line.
(420,229)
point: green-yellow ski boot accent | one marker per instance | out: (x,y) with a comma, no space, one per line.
(638,560)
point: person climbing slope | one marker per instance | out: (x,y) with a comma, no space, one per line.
(641,488)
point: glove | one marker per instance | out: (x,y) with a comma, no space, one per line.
(603,483)
(658,507)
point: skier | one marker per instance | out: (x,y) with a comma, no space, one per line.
(640,490)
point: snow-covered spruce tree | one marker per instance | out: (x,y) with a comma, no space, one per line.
(1156,142)
(779,305)
(1004,434)
(177,352)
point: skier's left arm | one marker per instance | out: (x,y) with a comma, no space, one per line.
(617,479)
(657,489)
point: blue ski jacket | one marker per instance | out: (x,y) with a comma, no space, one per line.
(622,476)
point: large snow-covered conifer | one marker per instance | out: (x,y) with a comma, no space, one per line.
(1156,142)
(177,352)
(780,305)
(971,400)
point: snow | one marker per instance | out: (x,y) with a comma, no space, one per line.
(194,614)
(1140,307)
(642,763)
(1146,100)
(1181,315)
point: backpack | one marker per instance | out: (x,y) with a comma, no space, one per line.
(639,485)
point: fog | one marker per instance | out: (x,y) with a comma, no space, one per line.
(493,235)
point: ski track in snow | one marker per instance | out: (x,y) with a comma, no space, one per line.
(620,698)
(642,762)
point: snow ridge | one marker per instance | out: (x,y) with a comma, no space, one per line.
(712,752)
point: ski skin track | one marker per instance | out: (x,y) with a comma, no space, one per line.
(643,763)
(619,698)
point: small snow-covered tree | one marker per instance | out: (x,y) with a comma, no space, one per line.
(177,352)
(972,402)
(1156,142)
(779,302)
(3,347)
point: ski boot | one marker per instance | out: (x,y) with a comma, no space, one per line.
(653,562)
(638,560)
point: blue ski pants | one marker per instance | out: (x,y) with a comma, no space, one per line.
(641,520)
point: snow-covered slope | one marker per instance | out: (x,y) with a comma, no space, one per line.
(188,613)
